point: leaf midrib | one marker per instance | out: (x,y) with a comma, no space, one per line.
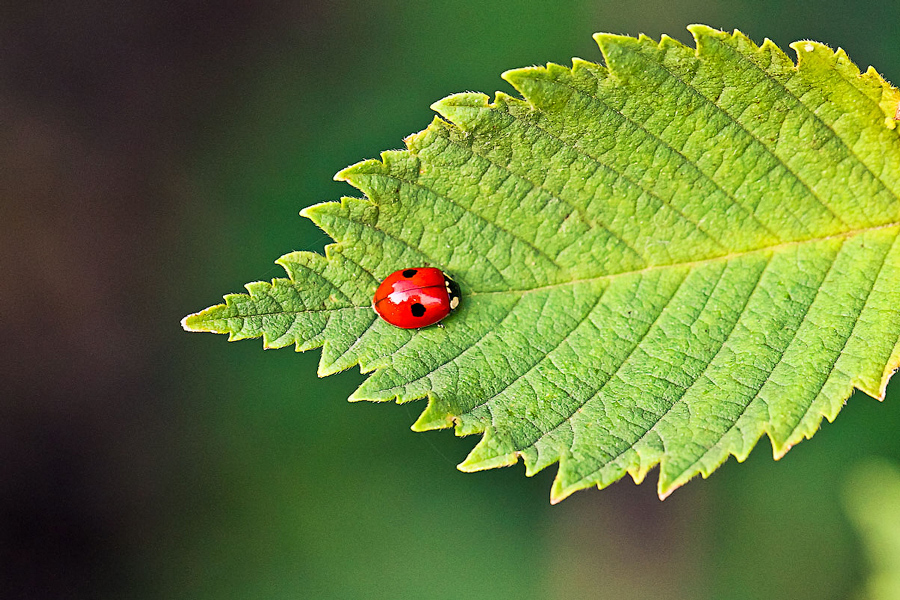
(772,248)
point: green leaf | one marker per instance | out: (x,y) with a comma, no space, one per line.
(661,260)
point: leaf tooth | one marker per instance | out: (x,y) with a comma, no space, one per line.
(889,369)
(393,162)
(400,396)
(705,37)
(699,31)
(332,217)
(772,49)
(558,493)
(608,43)
(704,33)
(562,489)
(415,141)
(485,455)
(527,82)
(433,417)
(464,110)
(515,76)
(347,173)
(811,55)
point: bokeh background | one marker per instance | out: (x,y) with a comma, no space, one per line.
(153,156)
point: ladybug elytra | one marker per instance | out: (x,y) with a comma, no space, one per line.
(416,297)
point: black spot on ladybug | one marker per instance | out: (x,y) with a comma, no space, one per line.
(409,273)
(417,309)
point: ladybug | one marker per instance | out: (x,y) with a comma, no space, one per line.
(416,297)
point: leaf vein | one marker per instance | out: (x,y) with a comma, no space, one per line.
(741,126)
(653,428)
(592,395)
(815,116)
(462,350)
(575,208)
(544,356)
(481,218)
(767,374)
(600,164)
(658,137)
(838,354)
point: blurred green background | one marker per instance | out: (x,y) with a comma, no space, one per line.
(155,156)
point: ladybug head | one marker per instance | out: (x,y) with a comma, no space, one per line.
(452,292)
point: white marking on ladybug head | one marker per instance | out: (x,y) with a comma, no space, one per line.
(454,302)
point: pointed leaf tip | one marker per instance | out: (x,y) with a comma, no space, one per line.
(186,325)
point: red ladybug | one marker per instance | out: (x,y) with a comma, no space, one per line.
(417,297)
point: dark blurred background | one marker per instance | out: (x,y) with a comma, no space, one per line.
(153,156)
